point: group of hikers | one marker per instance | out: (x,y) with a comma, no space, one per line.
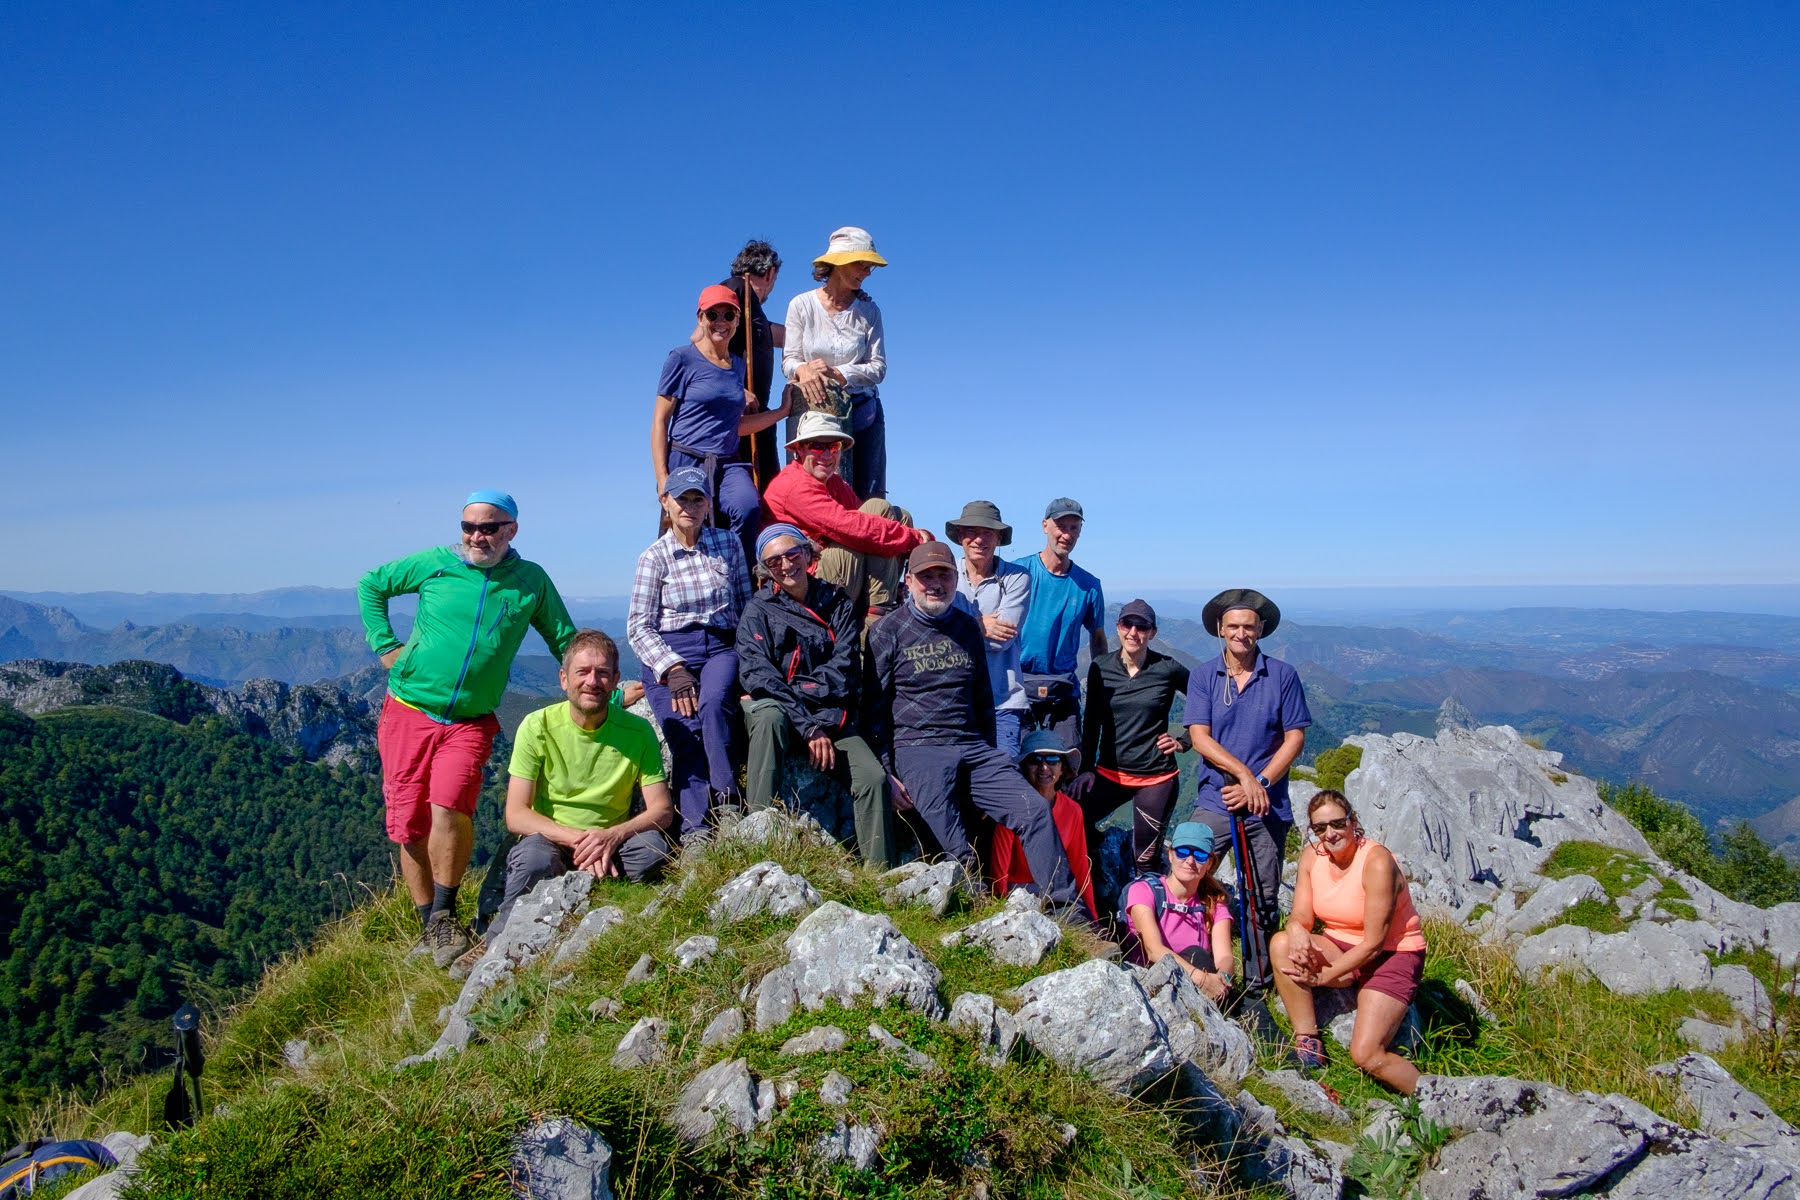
(788,614)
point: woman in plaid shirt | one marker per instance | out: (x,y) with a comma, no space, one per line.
(691,586)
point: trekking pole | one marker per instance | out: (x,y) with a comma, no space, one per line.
(182,1106)
(750,384)
(1256,945)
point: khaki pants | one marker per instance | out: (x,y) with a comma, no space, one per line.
(868,579)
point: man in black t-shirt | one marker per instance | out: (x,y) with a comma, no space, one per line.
(753,275)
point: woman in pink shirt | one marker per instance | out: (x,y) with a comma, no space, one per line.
(1190,919)
(1371,954)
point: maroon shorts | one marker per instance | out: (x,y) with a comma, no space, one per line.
(1393,973)
(425,763)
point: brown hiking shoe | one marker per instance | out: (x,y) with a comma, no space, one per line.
(460,969)
(447,937)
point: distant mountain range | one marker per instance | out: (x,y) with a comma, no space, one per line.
(1704,707)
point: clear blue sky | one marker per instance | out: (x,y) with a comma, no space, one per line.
(1319,295)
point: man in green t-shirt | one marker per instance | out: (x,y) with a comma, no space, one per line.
(573,768)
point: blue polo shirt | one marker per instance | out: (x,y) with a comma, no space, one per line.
(1062,608)
(1251,726)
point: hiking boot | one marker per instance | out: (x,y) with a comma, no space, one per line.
(1309,1051)
(459,970)
(421,945)
(447,937)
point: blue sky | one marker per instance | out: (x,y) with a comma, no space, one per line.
(1321,296)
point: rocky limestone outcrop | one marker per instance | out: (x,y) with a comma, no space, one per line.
(765,887)
(838,953)
(1521,1138)
(1018,935)
(1473,810)
(561,1159)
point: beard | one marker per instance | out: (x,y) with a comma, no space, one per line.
(930,607)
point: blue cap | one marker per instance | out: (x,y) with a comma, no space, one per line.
(779,529)
(1042,741)
(1193,835)
(499,500)
(1062,506)
(687,479)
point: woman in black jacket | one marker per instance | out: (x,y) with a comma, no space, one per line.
(800,659)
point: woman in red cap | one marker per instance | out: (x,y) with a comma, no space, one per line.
(702,408)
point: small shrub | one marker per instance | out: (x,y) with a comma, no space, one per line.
(1332,767)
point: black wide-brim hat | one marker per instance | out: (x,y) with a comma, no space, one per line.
(1248,598)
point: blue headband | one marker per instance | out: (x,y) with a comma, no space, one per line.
(499,500)
(779,529)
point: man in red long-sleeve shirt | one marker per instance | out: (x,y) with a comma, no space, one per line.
(862,545)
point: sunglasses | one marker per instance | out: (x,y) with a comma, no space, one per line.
(1044,760)
(790,557)
(485,528)
(721,314)
(821,448)
(1336,825)
(1187,852)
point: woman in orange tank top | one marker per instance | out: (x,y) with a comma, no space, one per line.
(1372,950)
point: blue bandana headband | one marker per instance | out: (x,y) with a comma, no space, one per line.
(499,500)
(779,529)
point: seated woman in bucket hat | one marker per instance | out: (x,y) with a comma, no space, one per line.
(702,408)
(1044,762)
(835,357)
(861,546)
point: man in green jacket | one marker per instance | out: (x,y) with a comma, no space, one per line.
(476,601)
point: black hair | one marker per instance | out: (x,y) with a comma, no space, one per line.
(756,258)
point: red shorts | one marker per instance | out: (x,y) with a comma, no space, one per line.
(425,763)
(1395,973)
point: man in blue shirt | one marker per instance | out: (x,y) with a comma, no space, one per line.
(999,593)
(1064,601)
(1247,716)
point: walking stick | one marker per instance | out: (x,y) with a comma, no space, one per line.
(750,382)
(1256,939)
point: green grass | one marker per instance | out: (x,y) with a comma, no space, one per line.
(1618,872)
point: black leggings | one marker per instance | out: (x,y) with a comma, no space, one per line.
(1150,807)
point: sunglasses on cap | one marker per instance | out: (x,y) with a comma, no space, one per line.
(1335,825)
(485,528)
(721,314)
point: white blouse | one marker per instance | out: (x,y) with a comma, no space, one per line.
(851,340)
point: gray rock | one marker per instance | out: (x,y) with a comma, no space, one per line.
(641,970)
(126,1147)
(1560,946)
(766,887)
(586,933)
(1711,1038)
(765,1102)
(1096,1018)
(559,1159)
(724,1094)
(1567,1147)
(893,1045)
(644,1043)
(820,1039)
(993,1028)
(1019,935)
(1713,1171)
(1548,904)
(930,885)
(1702,937)
(1305,1095)
(786,1089)
(1302,1171)
(605,1008)
(771,824)
(1644,960)
(856,1144)
(840,954)
(1198,1032)
(724,1029)
(296,1053)
(1746,993)
(1473,999)
(534,926)
(696,951)
(1472,809)
(1730,1111)
(835,1089)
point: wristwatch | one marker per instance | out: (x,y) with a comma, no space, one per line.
(1263,780)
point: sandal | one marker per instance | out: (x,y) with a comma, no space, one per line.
(1309,1050)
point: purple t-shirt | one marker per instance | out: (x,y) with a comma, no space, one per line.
(1180,930)
(709,400)
(1251,726)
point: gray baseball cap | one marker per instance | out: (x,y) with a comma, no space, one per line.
(1062,506)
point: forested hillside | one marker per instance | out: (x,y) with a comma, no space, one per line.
(150,862)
